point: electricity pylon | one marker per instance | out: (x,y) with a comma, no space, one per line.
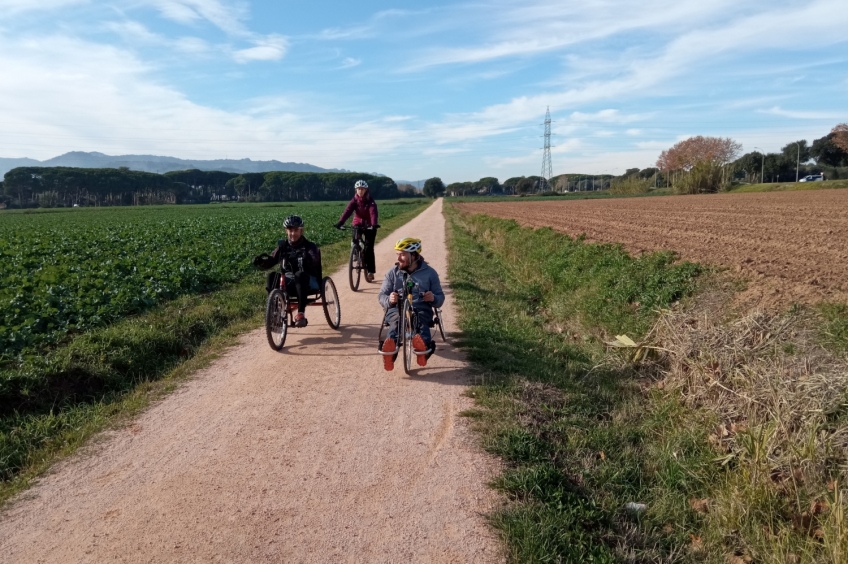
(547,167)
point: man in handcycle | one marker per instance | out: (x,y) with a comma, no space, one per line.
(427,295)
(301,260)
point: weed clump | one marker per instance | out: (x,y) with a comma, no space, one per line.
(780,425)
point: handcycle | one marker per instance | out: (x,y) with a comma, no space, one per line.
(409,324)
(357,248)
(281,307)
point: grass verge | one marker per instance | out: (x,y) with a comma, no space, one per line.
(108,375)
(679,443)
(790,186)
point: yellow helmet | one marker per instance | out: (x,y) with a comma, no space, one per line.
(409,245)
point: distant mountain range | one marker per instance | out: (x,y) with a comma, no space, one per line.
(153,163)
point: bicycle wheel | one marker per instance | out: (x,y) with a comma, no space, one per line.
(382,330)
(440,324)
(407,330)
(276,324)
(330,299)
(354,267)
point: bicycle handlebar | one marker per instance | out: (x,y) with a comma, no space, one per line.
(369,228)
(293,258)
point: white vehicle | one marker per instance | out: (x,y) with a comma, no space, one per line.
(812,178)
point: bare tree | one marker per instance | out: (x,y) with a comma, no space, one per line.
(840,136)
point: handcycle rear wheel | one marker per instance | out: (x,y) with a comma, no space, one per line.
(441,325)
(330,301)
(354,267)
(276,319)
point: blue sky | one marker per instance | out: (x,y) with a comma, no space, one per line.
(454,89)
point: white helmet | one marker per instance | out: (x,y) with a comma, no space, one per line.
(360,184)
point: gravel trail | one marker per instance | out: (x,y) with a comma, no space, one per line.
(315,454)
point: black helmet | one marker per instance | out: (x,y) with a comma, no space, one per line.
(293,221)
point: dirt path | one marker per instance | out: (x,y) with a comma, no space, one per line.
(315,454)
(790,246)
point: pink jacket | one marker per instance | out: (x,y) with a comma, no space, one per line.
(363,210)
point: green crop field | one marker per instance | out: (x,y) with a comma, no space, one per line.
(99,308)
(68,271)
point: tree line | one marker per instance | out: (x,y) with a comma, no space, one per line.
(69,186)
(710,164)
(518,185)
(695,165)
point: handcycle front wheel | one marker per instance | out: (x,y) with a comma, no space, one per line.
(276,318)
(407,330)
(354,267)
(330,302)
(383,327)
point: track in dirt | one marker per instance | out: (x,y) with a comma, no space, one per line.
(315,454)
(792,247)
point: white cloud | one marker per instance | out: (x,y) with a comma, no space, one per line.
(614,73)
(177,12)
(15,7)
(357,32)
(350,62)
(657,146)
(524,160)
(778,111)
(606,116)
(271,48)
(227,17)
(134,31)
(561,26)
(192,46)
(443,151)
(396,119)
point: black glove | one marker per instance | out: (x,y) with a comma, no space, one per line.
(339,225)
(263,261)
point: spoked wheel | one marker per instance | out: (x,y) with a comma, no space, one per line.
(276,315)
(440,324)
(354,267)
(406,332)
(383,328)
(330,299)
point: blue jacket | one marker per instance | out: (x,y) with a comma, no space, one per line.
(426,279)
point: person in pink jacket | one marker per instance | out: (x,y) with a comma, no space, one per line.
(363,208)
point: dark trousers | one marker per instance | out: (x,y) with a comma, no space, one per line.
(302,283)
(368,236)
(425,318)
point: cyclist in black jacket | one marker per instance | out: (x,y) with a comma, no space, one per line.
(301,260)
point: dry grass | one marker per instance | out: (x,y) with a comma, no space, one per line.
(781,433)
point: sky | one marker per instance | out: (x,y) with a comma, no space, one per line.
(454,89)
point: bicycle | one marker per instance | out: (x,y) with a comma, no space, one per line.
(280,307)
(409,325)
(356,264)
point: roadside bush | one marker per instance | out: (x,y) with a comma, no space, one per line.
(631,185)
(703,178)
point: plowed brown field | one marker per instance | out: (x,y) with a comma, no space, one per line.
(791,247)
